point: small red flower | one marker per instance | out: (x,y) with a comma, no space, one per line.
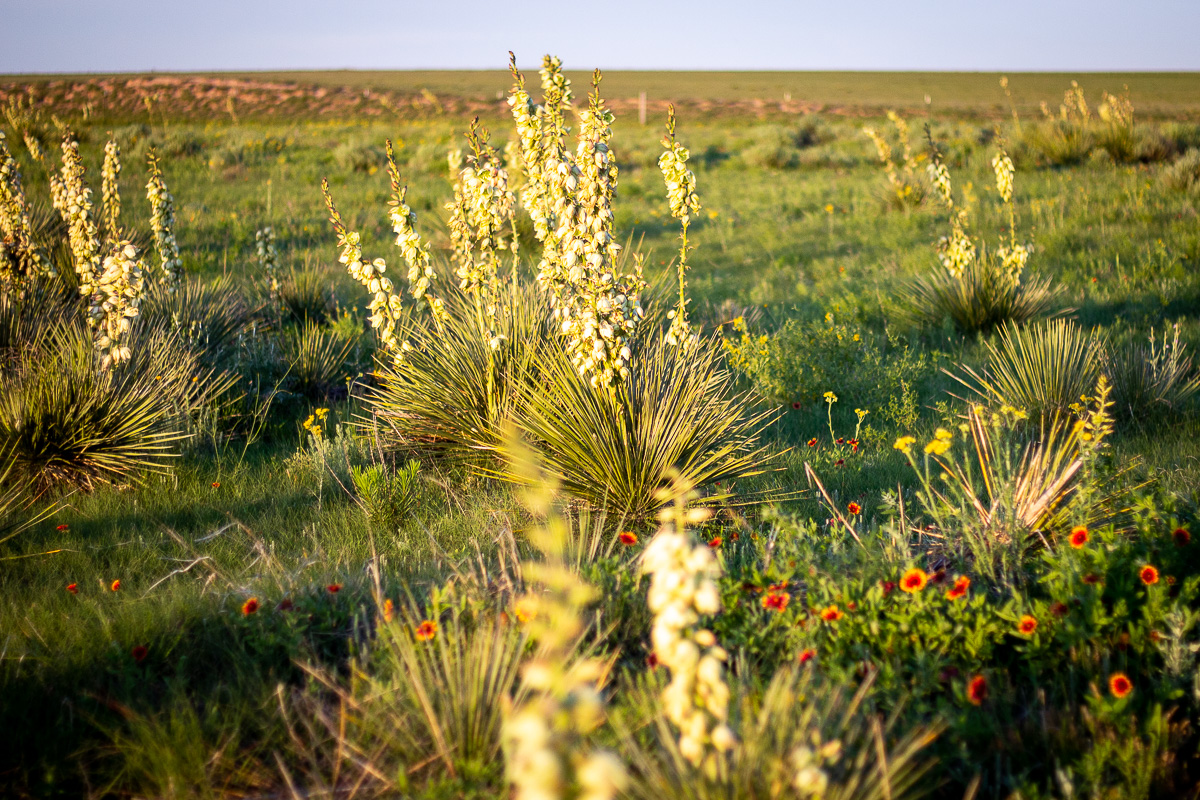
(1091,579)
(888,587)
(938,577)
(286,604)
(139,653)
(961,585)
(389,610)
(63,527)
(115,586)
(72,588)
(812,442)
(334,588)
(776,601)
(652,660)
(1119,684)
(840,462)
(250,606)
(1079,536)
(977,690)
(795,405)
(841,440)
(216,485)
(854,445)
(1149,575)
(914,580)
(1181,536)
(831,614)
(1058,608)
(1027,625)
(714,542)
(854,508)
(426,630)
(628,537)
(852,606)
(806,655)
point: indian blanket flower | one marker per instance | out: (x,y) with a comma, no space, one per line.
(1119,684)
(162,224)
(806,655)
(73,588)
(389,610)
(914,580)
(683,589)
(1058,608)
(853,508)
(426,631)
(1181,536)
(1149,575)
(776,601)
(333,588)
(961,585)
(812,442)
(977,690)
(628,537)
(888,587)
(1027,625)
(250,606)
(115,585)
(831,613)
(1079,536)
(139,653)
(715,542)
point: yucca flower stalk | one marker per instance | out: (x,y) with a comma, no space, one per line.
(905,187)
(110,196)
(268,260)
(34,147)
(416,252)
(956,251)
(73,199)
(546,734)
(20,255)
(683,588)
(162,223)
(385,306)
(115,303)
(683,201)
(1012,255)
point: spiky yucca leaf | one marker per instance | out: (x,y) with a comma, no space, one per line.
(1151,378)
(679,413)
(210,318)
(318,359)
(794,715)
(1040,369)
(982,298)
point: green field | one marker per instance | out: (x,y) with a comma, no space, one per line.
(803,275)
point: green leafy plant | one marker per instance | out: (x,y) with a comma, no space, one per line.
(387,496)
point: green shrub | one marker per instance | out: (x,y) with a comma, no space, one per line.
(388,496)
(368,158)
(679,414)
(211,319)
(1059,143)
(1040,369)
(1184,174)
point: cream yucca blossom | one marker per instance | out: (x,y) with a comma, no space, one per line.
(162,224)
(481,227)
(903,186)
(811,777)
(115,302)
(1004,169)
(34,147)
(20,255)
(110,193)
(74,202)
(683,201)
(1074,107)
(1117,109)
(1013,256)
(416,252)
(956,251)
(683,588)
(547,750)
(385,306)
(268,258)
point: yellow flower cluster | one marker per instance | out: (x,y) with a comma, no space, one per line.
(264,241)
(110,193)
(942,439)
(315,424)
(385,306)
(20,256)
(683,201)
(74,201)
(162,224)
(1013,256)
(415,252)
(1117,109)
(683,587)
(115,302)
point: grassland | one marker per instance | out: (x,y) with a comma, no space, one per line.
(809,236)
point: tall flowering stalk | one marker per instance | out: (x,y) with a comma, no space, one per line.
(73,199)
(20,255)
(1012,255)
(268,260)
(683,588)
(956,251)
(481,227)
(110,193)
(386,307)
(162,223)
(683,200)
(904,186)
(546,737)
(115,302)
(416,252)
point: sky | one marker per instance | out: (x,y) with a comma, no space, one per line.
(968,35)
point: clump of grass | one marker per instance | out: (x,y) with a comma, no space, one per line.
(1040,369)
(1184,174)
(1153,378)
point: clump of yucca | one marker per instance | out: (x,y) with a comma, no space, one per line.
(1153,378)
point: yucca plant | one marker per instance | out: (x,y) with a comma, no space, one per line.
(211,319)
(1152,378)
(304,296)
(1040,369)
(798,737)
(679,413)
(68,424)
(452,393)
(318,359)
(982,298)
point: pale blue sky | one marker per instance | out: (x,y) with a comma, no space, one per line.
(135,35)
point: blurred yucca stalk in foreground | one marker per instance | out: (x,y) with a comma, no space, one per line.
(612,403)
